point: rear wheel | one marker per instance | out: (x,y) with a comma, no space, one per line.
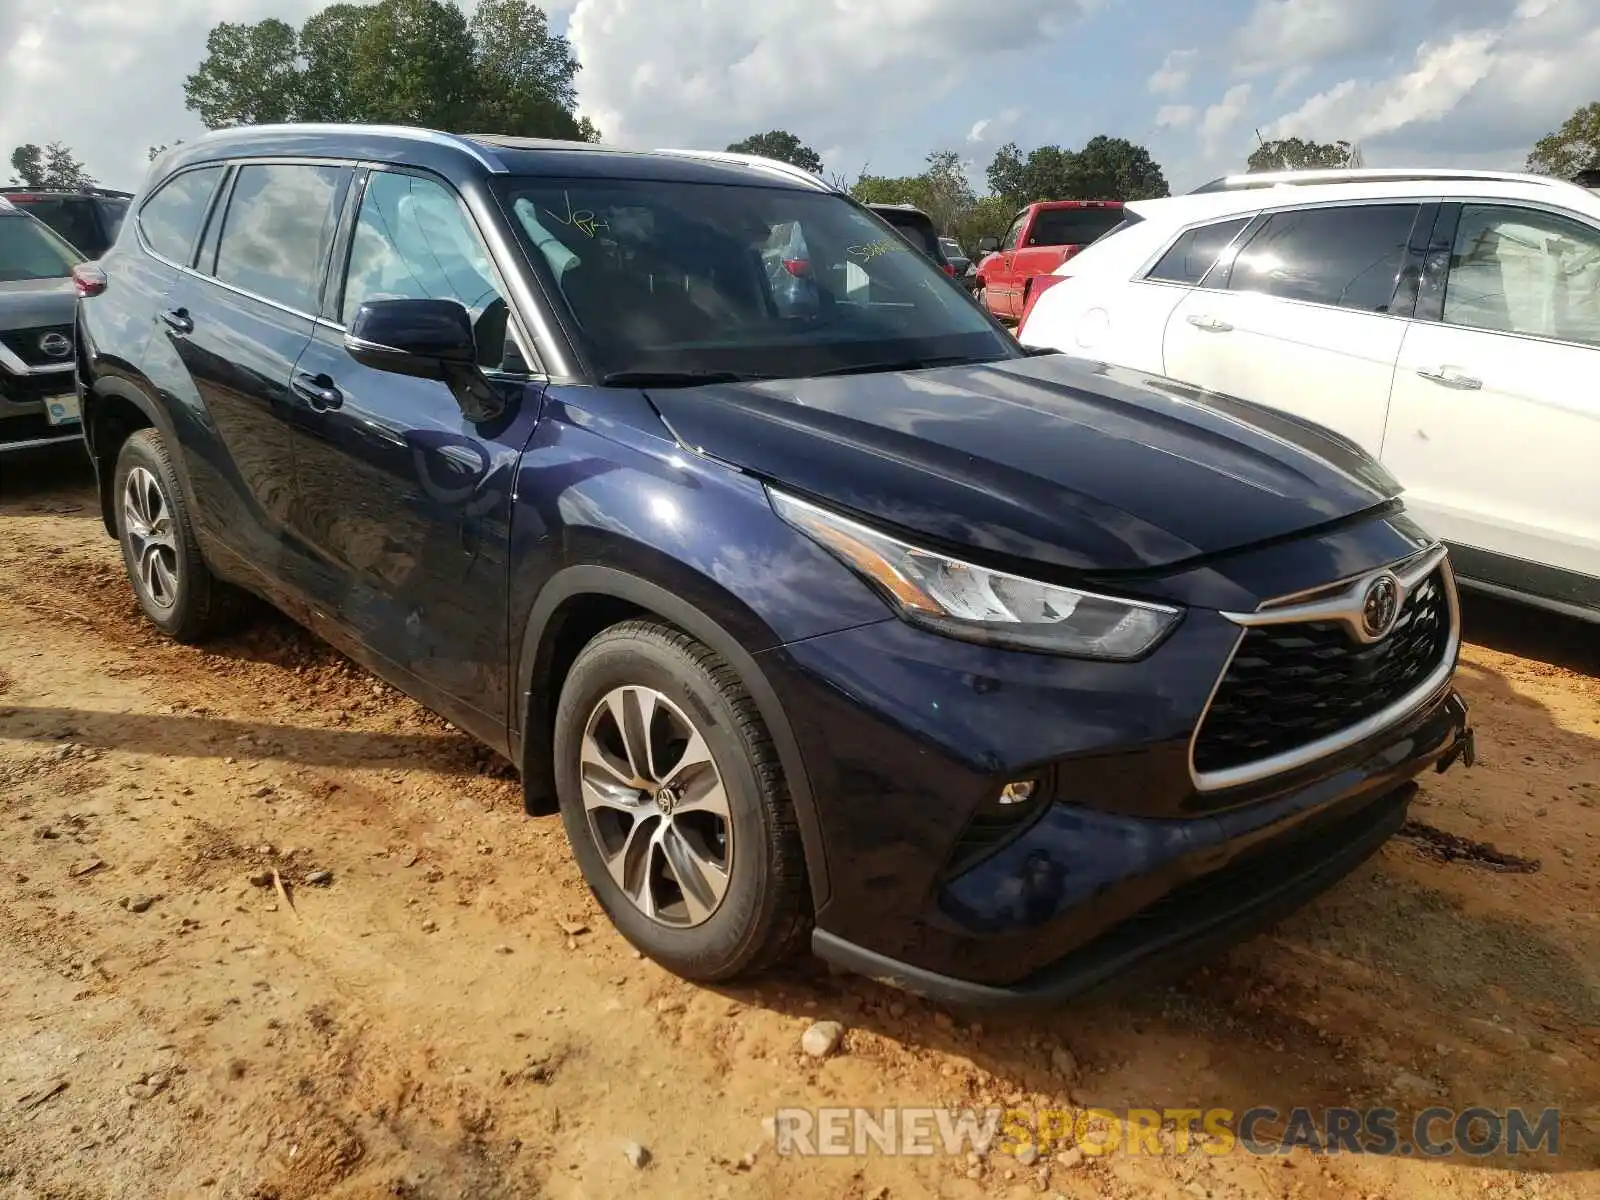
(171,581)
(675,805)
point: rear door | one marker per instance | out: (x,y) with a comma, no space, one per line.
(229,335)
(1301,316)
(1495,421)
(405,503)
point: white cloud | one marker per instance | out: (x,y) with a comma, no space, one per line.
(838,71)
(1174,116)
(989,129)
(1280,34)
(96,74)
(1172,76)
(1485,94)
(1222,115)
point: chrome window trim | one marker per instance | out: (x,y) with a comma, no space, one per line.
(1409,572)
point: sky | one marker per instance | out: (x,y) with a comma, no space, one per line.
(878,84)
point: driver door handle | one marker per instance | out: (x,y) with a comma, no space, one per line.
(1208,323)
(318,391)
(178,320)
(1451,378)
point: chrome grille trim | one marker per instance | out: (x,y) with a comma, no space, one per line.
(1346,609)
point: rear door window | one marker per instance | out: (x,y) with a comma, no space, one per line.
(1193,254)
(916,230)
(1349,256)
(171,218)
(278,229)
(1519,270)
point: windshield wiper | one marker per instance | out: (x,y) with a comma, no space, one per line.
(904,364)
(673,378)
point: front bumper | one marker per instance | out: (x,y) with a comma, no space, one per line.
(908,738)
(1228,882)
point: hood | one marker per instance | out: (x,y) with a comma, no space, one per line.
(1049,459)
(30,303)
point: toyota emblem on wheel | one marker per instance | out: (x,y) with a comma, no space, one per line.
(1380,607)
(55,345)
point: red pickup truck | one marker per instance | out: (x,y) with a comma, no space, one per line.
(1043,236)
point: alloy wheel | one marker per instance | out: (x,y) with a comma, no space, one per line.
(656,806)
(147,517)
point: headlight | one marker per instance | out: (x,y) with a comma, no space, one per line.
(979,605)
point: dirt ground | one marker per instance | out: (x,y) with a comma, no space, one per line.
(448,1015)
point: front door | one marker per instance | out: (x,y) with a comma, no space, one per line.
(1495,421)
(1300,319)
(1001,283)
(406,504)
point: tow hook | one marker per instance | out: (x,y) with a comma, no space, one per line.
(1465,748)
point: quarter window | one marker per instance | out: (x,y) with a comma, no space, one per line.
(1349,256)
(413,241)
(170,219)
(1193,254)
(1521,271)
(278,228)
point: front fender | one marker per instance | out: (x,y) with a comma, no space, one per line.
(587,584)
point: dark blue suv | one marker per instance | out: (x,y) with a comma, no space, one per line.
(997,676)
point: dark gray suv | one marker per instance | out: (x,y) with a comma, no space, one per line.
(38,402)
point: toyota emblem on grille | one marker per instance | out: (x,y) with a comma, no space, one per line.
(1380,606)
(55,345)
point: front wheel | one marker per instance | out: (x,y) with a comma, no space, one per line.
(676,806)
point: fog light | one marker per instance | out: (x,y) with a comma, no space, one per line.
(1019,792)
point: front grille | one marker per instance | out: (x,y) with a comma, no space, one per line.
(24,343)
(1291,685)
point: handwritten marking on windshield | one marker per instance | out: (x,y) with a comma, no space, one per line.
(873,250)
(583,219)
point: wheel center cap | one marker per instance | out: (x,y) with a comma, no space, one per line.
(666,801)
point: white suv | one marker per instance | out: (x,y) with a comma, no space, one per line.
(1448,321)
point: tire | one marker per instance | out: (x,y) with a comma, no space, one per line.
(170,580)
(980,294)
(626,845)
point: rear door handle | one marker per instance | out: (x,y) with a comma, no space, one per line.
(318,391)
(1209,324)
(178,320)
(1451,378)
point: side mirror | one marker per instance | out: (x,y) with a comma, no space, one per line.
(426,339)
(988,245)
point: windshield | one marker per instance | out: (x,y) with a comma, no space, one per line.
(28,250)
(748,281)
(1072,226)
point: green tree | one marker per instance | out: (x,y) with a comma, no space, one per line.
(1296,154)
(1008,175)
(27,161)
(1112,168)
(328,57)
(946,192)
(410,62)
(249,76)
(1573,148)
(988,216)
(51,167)
(783,146)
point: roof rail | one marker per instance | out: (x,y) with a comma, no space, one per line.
(1337,175)
(478,150)
(758,162)
(18,189)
